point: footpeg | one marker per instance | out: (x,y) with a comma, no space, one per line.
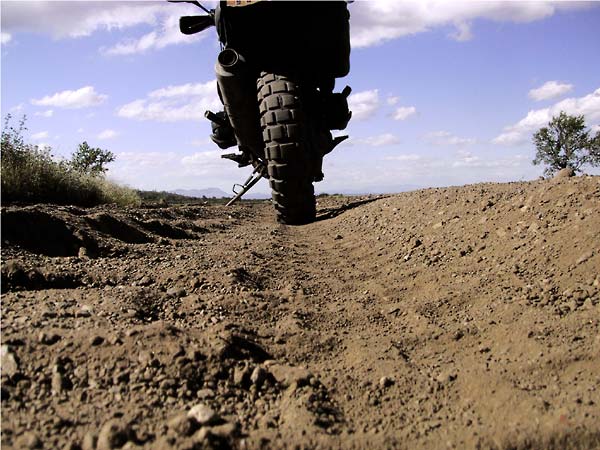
(240,158)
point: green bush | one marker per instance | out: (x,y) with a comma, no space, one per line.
(31,174)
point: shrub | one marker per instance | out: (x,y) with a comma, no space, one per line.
(31,174)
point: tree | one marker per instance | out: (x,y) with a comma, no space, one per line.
(91,160)
(566,143)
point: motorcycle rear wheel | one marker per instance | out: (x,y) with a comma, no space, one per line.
(287,149)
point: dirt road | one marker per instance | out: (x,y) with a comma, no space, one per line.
(463,317)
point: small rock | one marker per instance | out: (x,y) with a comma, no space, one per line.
(113,434)
(176,292)
(259,376)
(205,393)
(89,441)
(83,253)
(84,311)
(458,335)
(182,425)
(241,377)
(59,382)
(338,237)
(385,382)
(49,339)
(8,362)
(203,414)
(28,440)
(225,430)
(145,281)
(567,172)
(446,377)
(288,375)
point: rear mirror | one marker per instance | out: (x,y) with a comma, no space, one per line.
(195,24)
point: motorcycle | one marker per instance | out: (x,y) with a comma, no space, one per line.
(275,77)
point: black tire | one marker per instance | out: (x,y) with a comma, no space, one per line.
(287,151)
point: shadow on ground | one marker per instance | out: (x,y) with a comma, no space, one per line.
(330,213)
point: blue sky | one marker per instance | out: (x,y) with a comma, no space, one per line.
(444,93)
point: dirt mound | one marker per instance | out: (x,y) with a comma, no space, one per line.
(463,317)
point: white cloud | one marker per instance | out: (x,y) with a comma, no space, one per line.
(18,108)
(167,34)
(392,100)
(80,19)
(462,33)
(588,106)
(107,134)
(470,160)
(47,113)
(404,112)
(374,22)
(447,138)
(80,98)
(80,130)
(364,104)
(550,89)
(201,142)
(380,140)
(169,170)
(5,38)
(40,135)
(174,103)
(404,158)
(76,19)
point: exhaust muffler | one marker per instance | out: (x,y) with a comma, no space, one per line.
(237,87)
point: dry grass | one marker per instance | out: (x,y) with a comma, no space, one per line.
(30,174)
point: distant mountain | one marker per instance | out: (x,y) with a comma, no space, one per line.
(199,193)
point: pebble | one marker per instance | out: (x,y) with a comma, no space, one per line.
(8,362)
(28,440)
(567,172)
(205,393)
(59,382)
(84,311)
(288,375)
(240,376)
(182,425)
(176,292)
(89,441)
(48,339)
(446,377)
(259,376)
(112,435)
(385,382)
(145,281)
(203,414)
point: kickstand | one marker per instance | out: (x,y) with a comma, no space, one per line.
(251,181)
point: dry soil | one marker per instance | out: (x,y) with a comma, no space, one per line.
(462,317)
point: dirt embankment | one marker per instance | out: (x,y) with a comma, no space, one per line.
(445,318)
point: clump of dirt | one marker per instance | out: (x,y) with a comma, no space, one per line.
(460,317)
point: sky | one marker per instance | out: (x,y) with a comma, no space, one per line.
(444,93)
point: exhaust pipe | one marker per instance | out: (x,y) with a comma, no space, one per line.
(238,93)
